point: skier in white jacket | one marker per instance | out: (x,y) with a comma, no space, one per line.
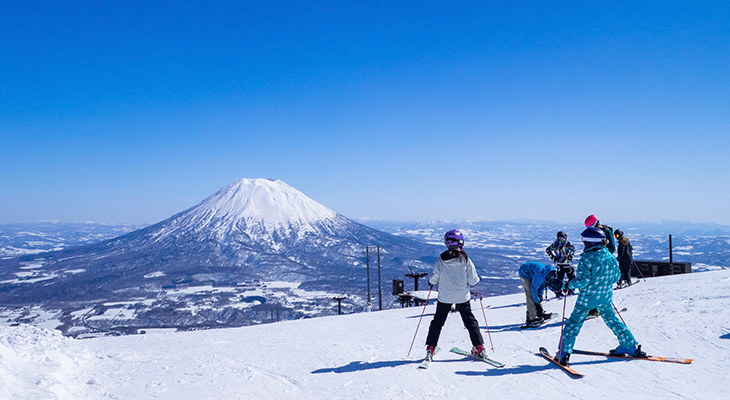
(454,273)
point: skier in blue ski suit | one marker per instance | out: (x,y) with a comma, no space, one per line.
(535,277)
(596,274)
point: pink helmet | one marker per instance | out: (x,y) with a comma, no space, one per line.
(591,220)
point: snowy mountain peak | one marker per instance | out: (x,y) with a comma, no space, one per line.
(269,204)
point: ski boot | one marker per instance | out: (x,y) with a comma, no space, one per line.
(593,313)
(564,361)
(479,351)
(429,352)
(633,351)
(541,314)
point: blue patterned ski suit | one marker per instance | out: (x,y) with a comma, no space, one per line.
(597,272)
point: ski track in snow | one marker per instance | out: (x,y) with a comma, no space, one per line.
(364,356)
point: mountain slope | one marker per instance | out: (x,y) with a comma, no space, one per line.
(365,355)
(251,232)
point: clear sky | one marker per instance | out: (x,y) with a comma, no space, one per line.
(129,112)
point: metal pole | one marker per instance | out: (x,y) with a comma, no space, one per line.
(618,313)
(633,264)
(380,289)
(671,262)
(485,318)
(419,321)
(367,263)
(562,324)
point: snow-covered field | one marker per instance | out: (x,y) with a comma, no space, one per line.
(364,356)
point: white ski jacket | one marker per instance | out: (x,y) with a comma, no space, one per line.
(454,278)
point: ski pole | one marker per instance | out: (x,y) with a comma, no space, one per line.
(419,320)
(562,324)
(485,318)
(618,313)
(633,264)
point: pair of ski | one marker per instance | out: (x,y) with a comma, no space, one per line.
(571,371)
(626,286)
(537,325)
(427,361)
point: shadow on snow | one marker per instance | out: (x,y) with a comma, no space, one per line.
(364,366)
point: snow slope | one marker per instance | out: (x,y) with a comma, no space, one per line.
(363,356)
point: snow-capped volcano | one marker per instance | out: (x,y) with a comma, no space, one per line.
(251,232)
(264,202)
(258,214)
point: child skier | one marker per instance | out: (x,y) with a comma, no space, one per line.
(592,221)
(454,273)
(535,277)
(596,274)
(561,252)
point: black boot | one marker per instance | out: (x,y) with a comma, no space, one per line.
(541,314)
(564,361)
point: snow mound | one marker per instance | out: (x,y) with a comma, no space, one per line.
(42,364)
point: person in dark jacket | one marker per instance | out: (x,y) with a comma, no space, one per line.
(625,258)
(535,278)
(561,252)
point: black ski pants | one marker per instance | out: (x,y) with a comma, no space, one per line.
(566,269)
(470,323)
(625,269)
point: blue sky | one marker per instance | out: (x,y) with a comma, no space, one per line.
(129,112)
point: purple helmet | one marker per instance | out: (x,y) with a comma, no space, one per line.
(454,239)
